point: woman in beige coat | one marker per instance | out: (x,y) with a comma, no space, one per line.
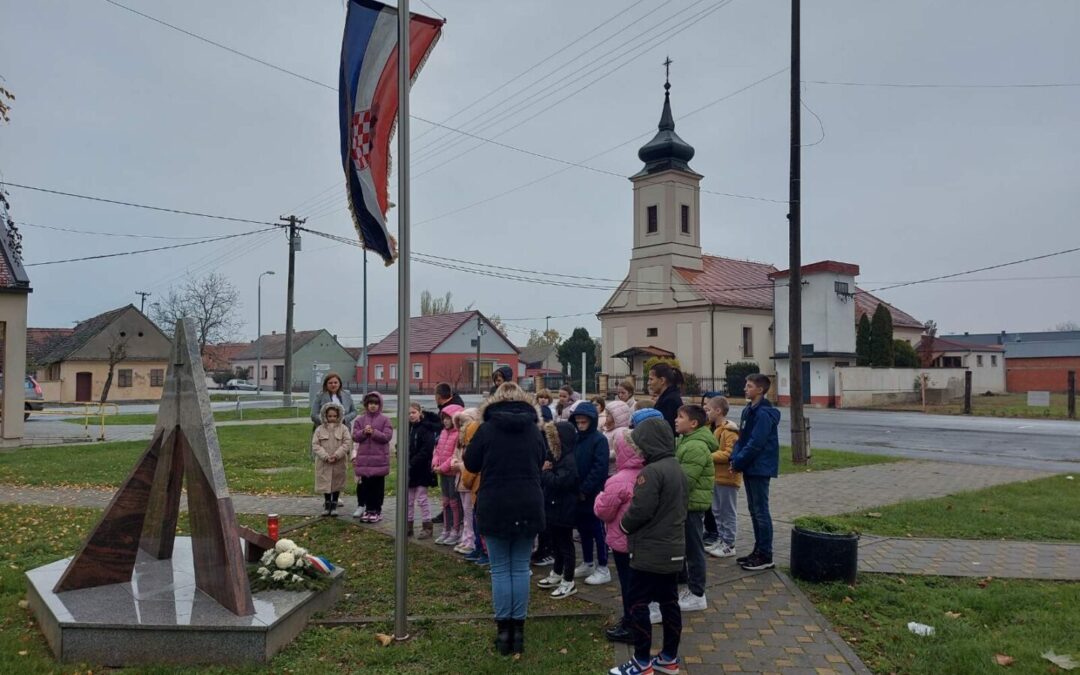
(330,444)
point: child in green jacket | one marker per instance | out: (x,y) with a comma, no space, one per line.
(694,451)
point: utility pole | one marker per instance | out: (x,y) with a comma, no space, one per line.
(142,303)
(286,385)
(479,329)
(547,324)
(795,377)
(364,350)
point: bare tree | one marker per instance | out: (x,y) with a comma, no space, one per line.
(117,350)
(6,97)
(1067,326)
(430,305)
(926,350)
(548,338)
(212,301)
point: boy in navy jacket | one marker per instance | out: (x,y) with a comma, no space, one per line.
(757,456)
(591,455)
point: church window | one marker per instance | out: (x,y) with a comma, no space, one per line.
(685,219)
(651,332)
(652,220)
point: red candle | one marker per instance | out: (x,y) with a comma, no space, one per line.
(272,526)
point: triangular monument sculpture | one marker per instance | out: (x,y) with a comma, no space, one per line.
(144,511)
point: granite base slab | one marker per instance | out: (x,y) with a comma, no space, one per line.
(160,617)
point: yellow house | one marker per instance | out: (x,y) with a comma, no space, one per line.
(77,367)
(14,289)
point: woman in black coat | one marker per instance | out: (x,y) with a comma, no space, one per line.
(665,383)
(507,451)
(424,429)
(561,488)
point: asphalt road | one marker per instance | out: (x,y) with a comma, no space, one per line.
(1048,445)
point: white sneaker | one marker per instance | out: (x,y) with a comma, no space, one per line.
(565,590)
(441,539)
(721,550)
(692,603)
(358,512)
(550,581)
(584,570)
(654,613)
(601,575)
(452,540)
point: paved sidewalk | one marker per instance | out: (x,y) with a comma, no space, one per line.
(970,558)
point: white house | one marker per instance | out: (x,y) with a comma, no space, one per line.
(986,362)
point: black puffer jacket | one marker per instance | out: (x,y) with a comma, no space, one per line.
(655,522)
(561,483)
(508,450)
(421,445)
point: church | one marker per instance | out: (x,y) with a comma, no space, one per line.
(705,310)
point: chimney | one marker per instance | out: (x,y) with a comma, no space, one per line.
(1001,338)
(273,332)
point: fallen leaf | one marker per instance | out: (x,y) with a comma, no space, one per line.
(1063,661)
(873,515)
(983,583)
(901,581)
(953,615)
(384,639)
(517,657)
(1003,659)
(847,600)
(24,604)
(23,653)
(563,651)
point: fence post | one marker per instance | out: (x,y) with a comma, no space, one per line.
(1072,395)
(967,392)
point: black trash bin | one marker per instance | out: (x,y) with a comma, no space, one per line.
(818,556)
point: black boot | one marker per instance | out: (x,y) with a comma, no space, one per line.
(502,637)
(327,505)
(517,636)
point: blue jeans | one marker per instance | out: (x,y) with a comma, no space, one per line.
(757,501)
(592,533)
(510,575)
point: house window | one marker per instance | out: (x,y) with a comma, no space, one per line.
(393,372)
(124,377)
(747,341)
(993,361)
(652,332)
(652,220)
(685,219)
(841,287)
(157,377)
(978,360)
(418,371)
(53,373)
(378,372)
(951,362)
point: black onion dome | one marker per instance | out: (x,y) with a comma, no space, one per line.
(666,150)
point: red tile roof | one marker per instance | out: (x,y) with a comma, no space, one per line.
(426,333)
(220,356)
(866,303)
(743,283)
(834,266)
(40,341)
(732,283)
(946,345)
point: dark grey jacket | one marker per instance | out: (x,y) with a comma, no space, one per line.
(322,398)
(657,515)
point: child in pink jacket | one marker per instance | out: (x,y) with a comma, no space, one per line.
(442,465)
(372,432)
(610,505)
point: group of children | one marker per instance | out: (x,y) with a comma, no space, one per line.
(648,509)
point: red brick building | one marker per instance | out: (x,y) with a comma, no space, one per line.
(1037,361)
(442,349)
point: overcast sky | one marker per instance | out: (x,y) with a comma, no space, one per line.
(908,182)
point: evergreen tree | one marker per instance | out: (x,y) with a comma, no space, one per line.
(881,338)
(862,341)
(904,355)
(570,352)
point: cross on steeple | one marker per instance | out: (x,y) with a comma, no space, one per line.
(667,72)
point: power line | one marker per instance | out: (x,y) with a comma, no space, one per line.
(139,206)
(145,250)
(23,223)
(929,85)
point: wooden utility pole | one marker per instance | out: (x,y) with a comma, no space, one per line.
(142,303)
(1071,396)
(798,423)
(479,331)
(286,384)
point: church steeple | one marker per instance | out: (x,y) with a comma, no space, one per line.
(666,150)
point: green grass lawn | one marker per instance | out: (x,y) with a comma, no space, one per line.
(438,583)
(219,416)
(1017,618)
(1042,510)
(826,460)
(1000,405)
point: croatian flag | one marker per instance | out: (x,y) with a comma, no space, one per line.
(368,94)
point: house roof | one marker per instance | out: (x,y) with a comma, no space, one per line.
(833,266)
(12,274)
(536,354)
(732,283)
(355,352)
(1033,345)
(426,333)
(643,351)
(946,345)
(41,341)
(866,302)
(273,346)
(221,356)
(82,334)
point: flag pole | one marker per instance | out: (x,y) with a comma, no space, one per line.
(401,567)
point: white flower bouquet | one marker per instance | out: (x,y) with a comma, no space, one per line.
(289,567)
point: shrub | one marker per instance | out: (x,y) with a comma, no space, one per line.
(735,376)
(674,363)
(822,524)
(691,385)
(904,355)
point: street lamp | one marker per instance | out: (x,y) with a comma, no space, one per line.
(258,338)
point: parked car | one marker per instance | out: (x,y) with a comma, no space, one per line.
(33,399)
(240,385)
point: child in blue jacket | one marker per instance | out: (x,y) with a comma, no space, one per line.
(757,456)
(591,456)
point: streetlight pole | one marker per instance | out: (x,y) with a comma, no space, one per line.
(258,337)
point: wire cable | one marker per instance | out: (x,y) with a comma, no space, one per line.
(929,85)
(980,269)
(23,223)
(145,250)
